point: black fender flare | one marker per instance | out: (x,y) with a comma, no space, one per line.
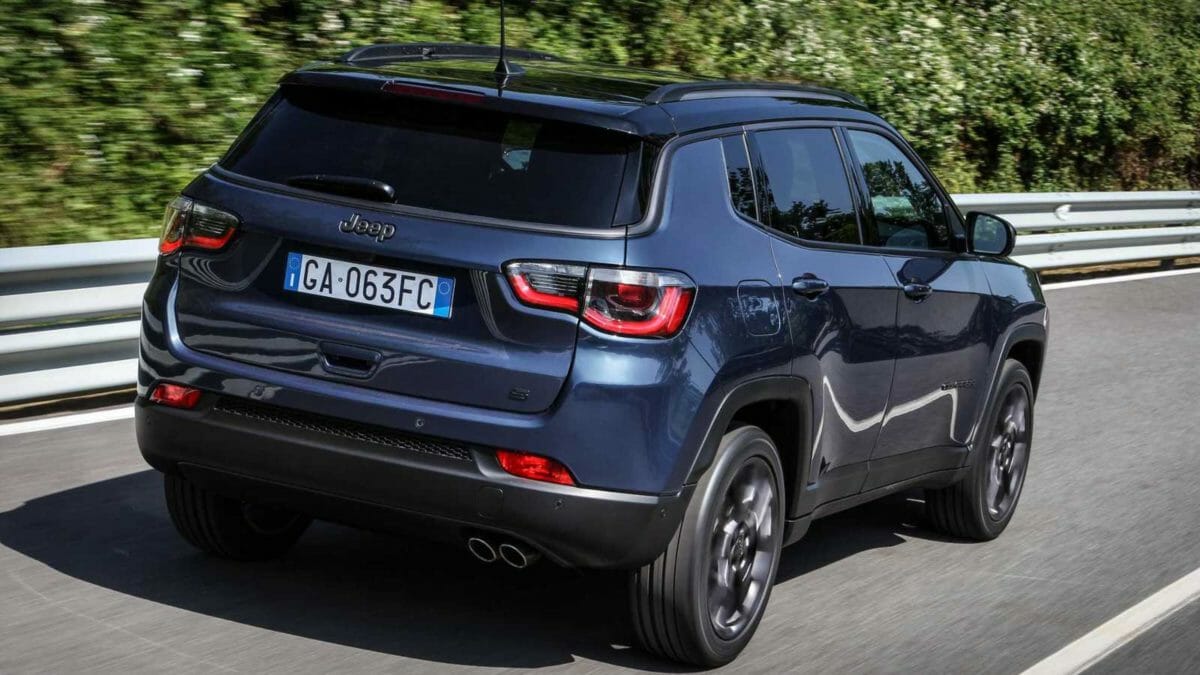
(771,388)
(1032,332)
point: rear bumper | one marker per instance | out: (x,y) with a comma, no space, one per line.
(365,481)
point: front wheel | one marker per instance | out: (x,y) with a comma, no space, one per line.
(702,599)
(981,504)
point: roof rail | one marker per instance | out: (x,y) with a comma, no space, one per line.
(417,51)
(686,91)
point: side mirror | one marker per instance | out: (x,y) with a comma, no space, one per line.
(990,235)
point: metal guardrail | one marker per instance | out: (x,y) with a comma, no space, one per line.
(1076,229)
(68,317)
(68,314)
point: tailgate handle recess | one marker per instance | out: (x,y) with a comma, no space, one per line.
(348,360)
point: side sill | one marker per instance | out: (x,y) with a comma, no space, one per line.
(933,479)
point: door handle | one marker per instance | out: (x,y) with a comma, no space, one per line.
(809,286)
(917,291)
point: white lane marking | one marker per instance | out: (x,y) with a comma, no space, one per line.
(1119,279)
(64,421)
(1121,629)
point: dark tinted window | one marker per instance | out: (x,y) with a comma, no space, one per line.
(805,191)
(438,156)
(741,181)
(908,212)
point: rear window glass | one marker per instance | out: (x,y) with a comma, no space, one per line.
(444,157)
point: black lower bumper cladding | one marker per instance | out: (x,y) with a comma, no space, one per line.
(381,479)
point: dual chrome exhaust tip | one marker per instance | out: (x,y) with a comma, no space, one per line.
(518,555)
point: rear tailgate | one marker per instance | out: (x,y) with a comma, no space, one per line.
(479,345)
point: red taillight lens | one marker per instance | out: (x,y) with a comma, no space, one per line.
(634,303)
(547,285)
(534,467)
(175,396)
(637,303)
(634,296)
(187,223)
(174,224)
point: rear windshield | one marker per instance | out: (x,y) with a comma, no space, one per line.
(438,156)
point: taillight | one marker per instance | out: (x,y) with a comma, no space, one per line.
(637,303)
(175,396)
(187,223)
(634,303)
(534,467)
(174,221)
(547,285)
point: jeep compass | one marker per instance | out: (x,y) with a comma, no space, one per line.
(602,316)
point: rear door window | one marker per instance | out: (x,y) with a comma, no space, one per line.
(450,158)
(805,191)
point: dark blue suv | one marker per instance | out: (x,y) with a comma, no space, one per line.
(613,317)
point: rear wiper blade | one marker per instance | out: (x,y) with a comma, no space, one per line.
(350,186)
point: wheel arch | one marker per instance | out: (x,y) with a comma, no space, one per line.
(1031,353)
(779,405)
(1025,342)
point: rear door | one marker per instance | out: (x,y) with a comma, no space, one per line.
(373,236)
(840,299)
(942,312)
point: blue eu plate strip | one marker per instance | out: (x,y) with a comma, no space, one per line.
(445,293)
(291,280)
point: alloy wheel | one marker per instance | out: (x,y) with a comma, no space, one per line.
(1008,453)
(742,546)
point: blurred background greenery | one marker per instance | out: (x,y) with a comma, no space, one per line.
(109,107)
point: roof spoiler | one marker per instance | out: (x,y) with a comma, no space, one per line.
(644,122)
(420,51)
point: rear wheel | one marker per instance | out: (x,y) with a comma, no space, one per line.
(702,599)
(981,505)
(230,528)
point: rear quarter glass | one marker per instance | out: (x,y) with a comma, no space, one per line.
(441,156)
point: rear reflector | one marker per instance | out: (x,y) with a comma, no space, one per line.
(534,467)
(175,396)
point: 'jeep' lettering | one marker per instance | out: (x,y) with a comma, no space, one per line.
(378,229)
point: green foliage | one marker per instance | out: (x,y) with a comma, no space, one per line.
(109,107)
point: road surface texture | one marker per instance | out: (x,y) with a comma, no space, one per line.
(93,577)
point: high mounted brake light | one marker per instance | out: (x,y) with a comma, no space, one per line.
(439,93)
(188,224)
(633,303)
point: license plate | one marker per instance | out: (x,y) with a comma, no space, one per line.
(369,285)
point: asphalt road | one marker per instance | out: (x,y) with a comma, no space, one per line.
(92,576)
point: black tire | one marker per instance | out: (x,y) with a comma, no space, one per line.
(227,527)
(677,605)
(981,505)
